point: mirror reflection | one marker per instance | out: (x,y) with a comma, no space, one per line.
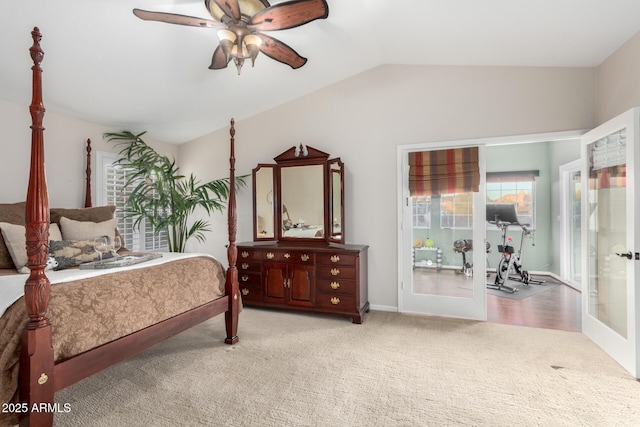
(336,201)
(302,192)
(264,206)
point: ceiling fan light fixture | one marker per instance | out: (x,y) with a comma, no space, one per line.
(240,24)
(239,46)
(253,42)
(227,42)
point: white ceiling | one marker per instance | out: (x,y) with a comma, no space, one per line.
(104,65)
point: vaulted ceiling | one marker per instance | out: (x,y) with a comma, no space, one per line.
(104,65)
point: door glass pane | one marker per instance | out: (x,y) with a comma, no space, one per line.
(575,194)
(607,234)
(442,245)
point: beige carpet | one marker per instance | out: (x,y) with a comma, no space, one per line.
(393,370)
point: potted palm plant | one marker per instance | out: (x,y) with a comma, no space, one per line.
(162,196)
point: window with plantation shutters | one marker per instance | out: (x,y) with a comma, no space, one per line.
(111,189)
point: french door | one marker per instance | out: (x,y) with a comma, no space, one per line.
(610,238)
(442,257)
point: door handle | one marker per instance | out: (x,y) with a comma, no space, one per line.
(628,255)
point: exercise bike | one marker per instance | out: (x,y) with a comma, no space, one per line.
(510,263)
(462,246)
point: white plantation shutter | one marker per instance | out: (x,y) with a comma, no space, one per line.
(111,190)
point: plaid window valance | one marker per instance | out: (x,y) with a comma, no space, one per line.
(444,171)
(611,177)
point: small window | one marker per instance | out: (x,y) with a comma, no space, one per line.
(421,208)
(456,211)
(514,188)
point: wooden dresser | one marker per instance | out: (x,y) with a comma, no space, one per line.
(329,279)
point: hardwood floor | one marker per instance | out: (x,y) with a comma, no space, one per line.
(555,308)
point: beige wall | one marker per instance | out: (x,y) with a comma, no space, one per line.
(65,155)
(363,119)
(618,81)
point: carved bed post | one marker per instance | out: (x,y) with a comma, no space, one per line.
(87,188)
(36,357)
(231,286)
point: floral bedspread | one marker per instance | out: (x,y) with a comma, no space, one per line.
(127,301)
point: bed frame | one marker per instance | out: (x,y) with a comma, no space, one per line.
(39,376)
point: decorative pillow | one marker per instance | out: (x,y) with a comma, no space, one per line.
(51,263)
(87,230)
(16,240)
(12,213)
(54,232)
(71,253)
(97,214)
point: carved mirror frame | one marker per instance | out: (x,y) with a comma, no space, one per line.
(313,187)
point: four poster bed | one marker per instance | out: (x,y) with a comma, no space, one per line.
(54,336)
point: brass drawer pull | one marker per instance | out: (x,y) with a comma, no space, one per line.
(270,255)
(304,257)
(335,258)
(335,300)
(335,285)
(245,291)
(244,254)
(245,265)
(287,255)
(244,278)
(335,271)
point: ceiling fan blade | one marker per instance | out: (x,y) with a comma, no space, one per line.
(288,15)
(275,49)
(231,8)
(219,60)
(173,18)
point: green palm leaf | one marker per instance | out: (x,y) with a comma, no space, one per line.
(164,198)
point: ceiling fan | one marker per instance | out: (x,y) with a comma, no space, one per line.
(240,24)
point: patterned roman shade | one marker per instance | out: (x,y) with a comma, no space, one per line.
(444,171)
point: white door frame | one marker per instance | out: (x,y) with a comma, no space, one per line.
(565,211)
(404,257)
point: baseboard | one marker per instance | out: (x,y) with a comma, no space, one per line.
(554,277)
(383,308)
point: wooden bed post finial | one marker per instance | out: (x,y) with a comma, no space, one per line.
(232,287)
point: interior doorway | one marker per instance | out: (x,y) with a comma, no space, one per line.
(525,171)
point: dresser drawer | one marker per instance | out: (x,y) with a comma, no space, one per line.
(247,255)
(336,259)
(249,278)
(336,286)
(336,302)
(250,266)
(251,292)
(336,271)
(296,257)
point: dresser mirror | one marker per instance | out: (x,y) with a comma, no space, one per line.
(336,199)
(264,203)
(300,198)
